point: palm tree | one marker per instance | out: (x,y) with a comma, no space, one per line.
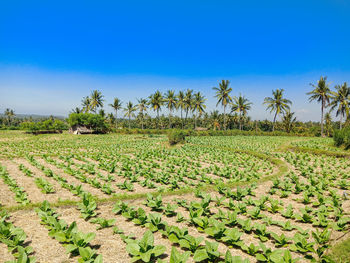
(181,104)
(242,105)
(198,106)
(111,118)
(328,123)
(215,117)
(223,96)
(170,100)
(129,111)
(86,103)
(156,101)
(321,93)
(102,113)
(117,105)
(288,121)
(9,114)
(76,110)
(188,102)
(340,101)
(142,105)
(277,104)
(96,100)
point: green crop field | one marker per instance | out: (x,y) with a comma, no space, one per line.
(133,198)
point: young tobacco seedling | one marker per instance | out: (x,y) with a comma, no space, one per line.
(144,250)
(209,252)
(103,222)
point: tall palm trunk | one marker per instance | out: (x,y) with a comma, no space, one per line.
(142,121)
(116,119)
(195,120)
(182,121)
(240,121)
(322,108)
(225,117)
(341,121)
(169,118)
(186,115)
(129,121)
(274,122)
(158,118)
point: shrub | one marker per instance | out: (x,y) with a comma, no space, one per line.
(176,136)
(92,121)
(342,137)
(46,125)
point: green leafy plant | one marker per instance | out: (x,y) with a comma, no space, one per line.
(190,242)
(144,250)
(87,207)
(103,222)
(209,252)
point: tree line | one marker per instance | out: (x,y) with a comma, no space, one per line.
(192,109)
(235,108)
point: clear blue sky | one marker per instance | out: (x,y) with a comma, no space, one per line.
(52,53)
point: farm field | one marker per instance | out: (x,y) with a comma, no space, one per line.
(132,198)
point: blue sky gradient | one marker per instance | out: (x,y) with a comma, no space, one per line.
(52,53)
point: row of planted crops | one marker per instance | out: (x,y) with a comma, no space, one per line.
(134,199)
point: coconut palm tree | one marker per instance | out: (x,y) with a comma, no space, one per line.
(76,110)
(198,106)
(117,105)
(215,117)
(328,123)
(277,104)
(340,101)
(320,93)
(288,121)
(156,101)
(102,113)
(129,111)
(86,103)
(181,104)
(96,100)
(9,114)
(111,119)
(188,102)
(242,106)
(142,106)
(171,101)
(223,96)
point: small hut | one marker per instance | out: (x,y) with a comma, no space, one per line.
(200,129)
(80,129)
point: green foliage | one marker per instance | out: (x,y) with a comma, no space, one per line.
(342,137)
(144,250)
(92,121)
(87,207)
(176,136)
(177,257)
(44,185)
(46,125)
(208,253)
(103,222)
(72,239)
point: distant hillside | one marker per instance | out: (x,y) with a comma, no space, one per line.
(35,116)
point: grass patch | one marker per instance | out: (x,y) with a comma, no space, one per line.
(320,152)
(340,252)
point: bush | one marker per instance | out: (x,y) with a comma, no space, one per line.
(342,138)
(176,136)
(92,121)
(46,125)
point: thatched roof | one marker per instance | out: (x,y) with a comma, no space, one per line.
(77,129)
(200,129)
